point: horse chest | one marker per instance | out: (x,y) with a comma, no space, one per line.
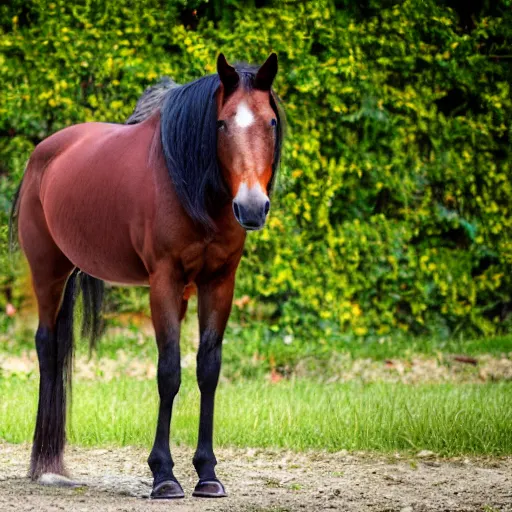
(204,260)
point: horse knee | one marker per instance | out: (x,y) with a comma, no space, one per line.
(209,361)
(169,370)
(169,380)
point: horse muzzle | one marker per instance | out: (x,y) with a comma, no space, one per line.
(251,206)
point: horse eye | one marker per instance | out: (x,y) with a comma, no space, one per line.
(273,122)
(221,124)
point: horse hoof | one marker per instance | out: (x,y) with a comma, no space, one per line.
(168,490)
(209,489)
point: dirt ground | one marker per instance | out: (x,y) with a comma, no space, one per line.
(262,481)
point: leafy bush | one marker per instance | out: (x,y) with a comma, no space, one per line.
(393,208)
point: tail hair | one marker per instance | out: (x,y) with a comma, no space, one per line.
(93,293)
(13,219)
(92,318)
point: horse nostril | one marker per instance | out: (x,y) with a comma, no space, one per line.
(267,207)
(236,209)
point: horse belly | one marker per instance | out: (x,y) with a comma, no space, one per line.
(93,217)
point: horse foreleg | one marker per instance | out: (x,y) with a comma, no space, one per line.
(215,300)
(166,305)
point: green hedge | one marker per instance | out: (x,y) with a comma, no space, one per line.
(393,208)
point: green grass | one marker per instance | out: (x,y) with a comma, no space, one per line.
(402,347)
(251,355)
(255,339)
(447,419)
(240,361)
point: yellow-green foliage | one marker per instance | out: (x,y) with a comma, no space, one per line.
(393,207)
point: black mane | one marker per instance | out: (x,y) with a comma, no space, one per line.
(189,141)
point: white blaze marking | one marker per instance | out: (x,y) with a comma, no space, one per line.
(246,194)
(242,193)
(244,117)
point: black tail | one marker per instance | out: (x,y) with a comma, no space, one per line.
(93,292)
(13,219)
(92,317)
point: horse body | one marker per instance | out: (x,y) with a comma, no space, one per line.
(164,202)
(138,220)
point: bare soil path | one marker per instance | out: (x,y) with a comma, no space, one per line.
(262,481)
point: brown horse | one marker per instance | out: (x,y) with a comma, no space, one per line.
(166,203)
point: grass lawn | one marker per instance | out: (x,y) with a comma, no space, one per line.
(242,344)
(296,414)
(254,356)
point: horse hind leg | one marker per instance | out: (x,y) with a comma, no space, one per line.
(54,286)
(54,345)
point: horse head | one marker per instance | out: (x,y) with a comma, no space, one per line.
(248,138)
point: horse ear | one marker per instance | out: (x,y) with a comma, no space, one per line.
(227,74)
(266,74)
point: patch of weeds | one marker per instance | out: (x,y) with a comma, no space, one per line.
(338,473)
(413,464)
(273,483)
(295,487)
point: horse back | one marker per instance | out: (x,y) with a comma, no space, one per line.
(91,143)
